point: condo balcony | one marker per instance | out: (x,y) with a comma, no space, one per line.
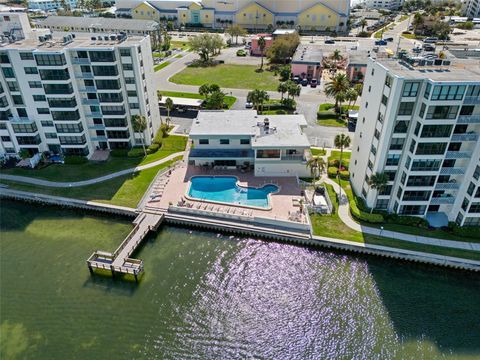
(465,137)
(447,186)
(446,200)
(90,102)
(472,100)
(80,61)
(452,171)
(88,89)
(458,155)
(468,119)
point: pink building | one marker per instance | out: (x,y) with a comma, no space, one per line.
(307,62)
(255,49)
(357,67)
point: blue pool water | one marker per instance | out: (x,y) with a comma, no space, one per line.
(225,189)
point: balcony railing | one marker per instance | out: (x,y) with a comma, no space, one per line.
(80,61)
(94,114)
(88,89)
(84,75)
(20,120)
(458,155)
(465,137)
(468,119)
(472,100)
(452,171)
(90,102)
(442,200)
(99,138)
(447,186)
(294,157)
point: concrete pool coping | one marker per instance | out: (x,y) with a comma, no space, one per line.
(237,183)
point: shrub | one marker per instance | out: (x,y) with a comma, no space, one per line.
(363,215)
(326,107)
(466,231)
(136,152)
(363,34)
(153,148)
(75,160)
(119,153)
(332,172)
(345,175)
(336,163)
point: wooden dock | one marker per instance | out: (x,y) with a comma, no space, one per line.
(120,262)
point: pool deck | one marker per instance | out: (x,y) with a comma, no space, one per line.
(282,202)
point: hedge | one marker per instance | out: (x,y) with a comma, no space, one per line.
(332,172)
(153,148)
(356,205)
(336,163)
(345,175)
(75,160)
(407,220)
(466,231)
(119,153)
(136,152)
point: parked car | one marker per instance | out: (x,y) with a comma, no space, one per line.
(329,41)
(430,40)
(389,39)
(313,83)
(248,105)
(304,82)
(380,42)
(428,47)
(297,80)
(241,52)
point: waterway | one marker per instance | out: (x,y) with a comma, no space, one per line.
(210,296)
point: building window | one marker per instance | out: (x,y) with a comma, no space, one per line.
(224,141)
(393,159)
(448,92)
(127,66)
(431,148)
(474,208)
(203,141)
(476,174)
(35,84)
(384,100)
(50,60)
(388,81)
(382,204)
(244,141)
(43,111)
(442,112)
(429,131)
(51,135)
(471,188)
(39,98)
(17,99)
(46,123)
(397,143)
(26,56)
(401,127)
(30,70)
(24,128)
(406,108)
(428,89)
(410,89)
(373,150)
(6,138)
(8,72)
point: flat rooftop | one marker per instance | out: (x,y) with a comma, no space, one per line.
(458,70)
(308,54)
(99,23)
(81,40)
(283,130)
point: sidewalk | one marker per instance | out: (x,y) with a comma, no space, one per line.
(54,184)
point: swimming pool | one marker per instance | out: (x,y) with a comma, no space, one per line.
(226,190)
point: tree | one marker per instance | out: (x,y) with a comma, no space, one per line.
(257,98)
(169,105)
(351,96)
(363,23)
(282,89)
(341,142)
(293,89)
(316,164)
(377,181)
(340,97)
(418,21)
(206,45)
(441,29)
(262,44)
(139,124)
(283,47)
(235,31)
(336,56)
(285,73)
(215,100)
(339,84)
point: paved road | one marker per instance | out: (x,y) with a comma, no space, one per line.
(47,183)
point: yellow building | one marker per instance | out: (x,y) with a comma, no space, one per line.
(255,15)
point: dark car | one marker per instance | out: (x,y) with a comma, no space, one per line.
(313,83)
(428,47)
(296,79)
(304,82)
(389,39)
(329,41)
(380,42)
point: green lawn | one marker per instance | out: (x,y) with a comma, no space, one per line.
(318,152)
(403,18)
(228,76)
(161,66)
(326,115)
(335,155)
(124,191)
(179,56)
(229,100)
(89,170)
(413,36)
(158,54)
(182,45)
(332,226)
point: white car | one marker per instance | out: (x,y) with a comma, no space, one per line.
(248,105)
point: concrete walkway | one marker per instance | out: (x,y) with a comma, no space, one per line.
(345,216)
(54,184)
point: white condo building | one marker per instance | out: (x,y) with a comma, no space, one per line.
(384,4)
(75,94)
(420,124)
(471,8)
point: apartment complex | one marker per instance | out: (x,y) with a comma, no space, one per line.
(471,8)
(272,146)
(419,123)
(75,94)
(255,15)
(384,4)
(46,5)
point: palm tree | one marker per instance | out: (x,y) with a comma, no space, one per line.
(339,99)
(282,88)
(363,23)
(341,141)
(139,124)
(316,164)
(257,98)
(262,44)
(336,56)
(293,89)
(169,105)
(339,84)
(378,181)
(351,96)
